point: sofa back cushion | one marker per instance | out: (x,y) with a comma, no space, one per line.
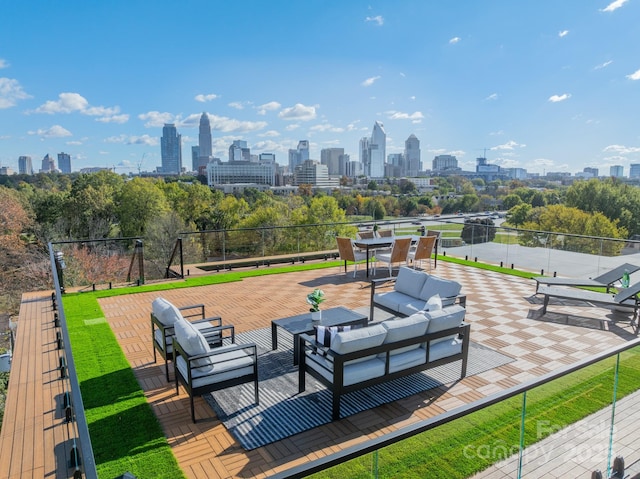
(444,287)
(192,341)
(446,318)
(358,340)
(165,311)
(405,328)
(410,281)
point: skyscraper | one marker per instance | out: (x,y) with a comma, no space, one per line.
(64,162)
(171,149)
(205,144)
(412,156)
(239,151)
(25,167)
(377,151)
(299,155)
(331,158)
(364,154)
(48,165)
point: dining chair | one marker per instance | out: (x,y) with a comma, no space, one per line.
(348,253)
(398,254)
(422,250)
(385,233)
(366,234)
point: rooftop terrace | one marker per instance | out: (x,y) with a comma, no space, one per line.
(503,312)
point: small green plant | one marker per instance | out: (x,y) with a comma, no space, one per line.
(314,299)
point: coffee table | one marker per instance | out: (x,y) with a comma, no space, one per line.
(297,325)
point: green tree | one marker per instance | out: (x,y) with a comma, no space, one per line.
(140,201)
(510,201)
(519,214)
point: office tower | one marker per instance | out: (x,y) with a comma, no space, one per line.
(364,154)
(238,151)
(444,162)
(267,158)
(24,165)
(377,151)
(48,164)
(412,162)
(300,154)
(331,158)
(617,171)
(396,165)
(592,171)
(204,138)
(64,162)
(344,161)
(171,149)
(195,157)
(634,170)
(311,172)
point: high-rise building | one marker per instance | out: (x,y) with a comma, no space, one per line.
(204,137)
(267,158)
(412,162)
(396,165)
(331,158)
(311,172)
(64,162)
(617,171)
(239,151)
(299,155)
(195,157)
(24,165)
(634,170)
(444,162)
(364,154)
(377,151)
(591,171)
(171,149)
(48,164)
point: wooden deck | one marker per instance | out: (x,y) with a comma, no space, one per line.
(34,441)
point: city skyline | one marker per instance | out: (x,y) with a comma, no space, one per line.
(545,86)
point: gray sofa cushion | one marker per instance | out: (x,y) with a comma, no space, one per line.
(410,281)
(357,340)
(392,300)
(407,359)
(444,287)
(405,328)
(354,371)
(446,318)
(443,349)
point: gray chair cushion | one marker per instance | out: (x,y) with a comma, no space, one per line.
(225,366)
(444,287)
(410,281)
(165,311)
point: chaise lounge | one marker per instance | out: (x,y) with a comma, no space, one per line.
(605,280)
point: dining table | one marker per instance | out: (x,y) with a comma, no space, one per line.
(372,244)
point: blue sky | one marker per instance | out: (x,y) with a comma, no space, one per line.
(546,85)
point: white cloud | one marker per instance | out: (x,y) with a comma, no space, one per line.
(74,143)
(614,5)
(56,131)
(370,81)
(298,112)
(133,140)
(378,20)
(493,96)
(622,150)
(114,119)
(415,117)
(557,98)
(509,145)
(454,40)
(74,102)
(267,145)
(155,119)
(270,106)
(203,98)
(269,134)
(10,92)
(3,63)
(237,105)
(603,65)
(227,125)
(634,76)
(563,33)
(66,103)
(327,127)
(293,126)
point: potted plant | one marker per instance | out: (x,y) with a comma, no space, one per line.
(314,299)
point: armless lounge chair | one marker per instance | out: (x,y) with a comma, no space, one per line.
(627,297)
(605,280)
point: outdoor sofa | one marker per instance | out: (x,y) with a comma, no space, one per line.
(394,348)
(412,289)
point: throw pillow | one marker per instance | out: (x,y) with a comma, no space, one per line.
(434,303)
(324,334)
(165,311)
